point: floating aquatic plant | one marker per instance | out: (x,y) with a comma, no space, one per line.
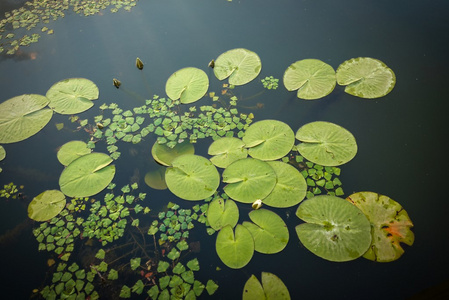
(270,83)
(271,287)
(240,65)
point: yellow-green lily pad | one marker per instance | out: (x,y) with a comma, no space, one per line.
(46,205)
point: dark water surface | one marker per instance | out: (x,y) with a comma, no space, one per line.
(402,138)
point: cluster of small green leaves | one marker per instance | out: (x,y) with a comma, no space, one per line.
(70,283)
(42,11)
(9,190)
(270,83)
(58,234)
(319,179)
(174,280)
(107,222)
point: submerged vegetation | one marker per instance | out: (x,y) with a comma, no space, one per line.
(110,243)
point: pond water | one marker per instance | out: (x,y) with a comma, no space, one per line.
(401,146)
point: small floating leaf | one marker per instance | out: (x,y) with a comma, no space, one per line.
(2,153)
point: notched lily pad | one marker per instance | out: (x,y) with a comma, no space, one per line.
(71,151)
(46,205)
(188,84)
(221,213)
(227,150)
(235,250)
(390,224)
(165,155)
(272,287)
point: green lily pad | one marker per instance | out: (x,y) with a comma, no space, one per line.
(221,213)
(23,116)
(312,78)
(235,251)
(192,177)
(155,178)
(240,65)
(290,188)
(269,231)
(334,230)
(269,139)
(87,175)
(366,77)
(188,85)
(390,223)
(226,150)
(271,288)
(165,155)
(326,143)
(249,179)
(71,151)
(2,153)
(72,96)
(46,205)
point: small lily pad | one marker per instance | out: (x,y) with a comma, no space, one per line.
(290,188)
(192,177)
(326,143)
(269,139)
(334,230)
(72,96)
(235,250)
(188,85)
(87,175)
(165,155)
(227,150)
(240,65)
(269,231)
(221,213)
(23,116)
(272,287)
(366,77)
(2,153)
(46,205)
(312,78)
(155,178)
(71,151)
(249,179)
(390,222)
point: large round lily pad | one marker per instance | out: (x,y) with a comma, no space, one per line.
(72,96)
(87,175)
(334,230)
(390,222)
(23,116)
(269,231)
(226,150)
(188,84)
(240,65)
(312,78)
(46,205)
(165,155)
(235,250)
(269,139)
(71,151)
(221,213)
(290,188)
(366,77)
(249,179)
(326,143)
(272,288)
(192,177)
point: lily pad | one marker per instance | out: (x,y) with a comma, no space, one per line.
(290,188)
(227,150)
(312,78)
(271,288)
(326,143)
(269,139)
(334,230)
(2,153)
(188,85)
(235,251)
(72,96)
(269,231)
(46,205)
(155,178)
(390,224)
(366,77)
(165,155)
(87,175)
(221,213)
(23,116)
(249,179)
(192,177)
(240,65)
(71,151)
